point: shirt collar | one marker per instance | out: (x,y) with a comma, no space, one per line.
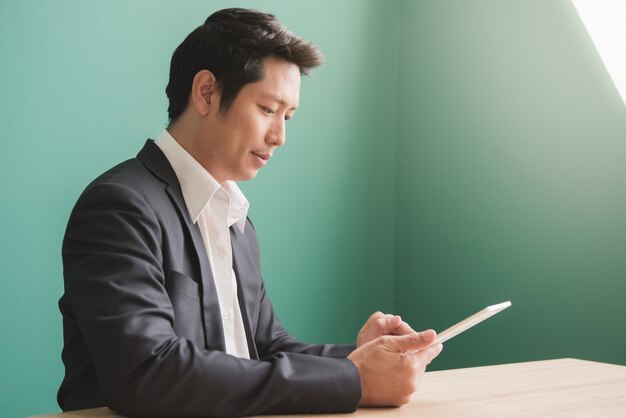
(198,186)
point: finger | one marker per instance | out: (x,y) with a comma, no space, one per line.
(424,357)
(373,317)
(387,324)
(402,329)
(412,342)
(371,321)
(431,352)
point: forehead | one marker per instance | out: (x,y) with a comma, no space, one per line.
(280,82)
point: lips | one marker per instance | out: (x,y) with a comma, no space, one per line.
(262,158)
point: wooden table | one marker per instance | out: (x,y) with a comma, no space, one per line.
(551,388)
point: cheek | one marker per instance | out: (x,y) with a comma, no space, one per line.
(253,132)
(247,132)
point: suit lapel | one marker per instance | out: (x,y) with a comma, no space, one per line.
(157,163)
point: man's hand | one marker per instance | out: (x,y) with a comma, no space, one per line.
(380,324)
(391,366)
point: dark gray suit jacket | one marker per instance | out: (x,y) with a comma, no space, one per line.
(141,318)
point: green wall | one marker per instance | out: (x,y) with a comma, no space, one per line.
(81,88)
(449,154)
(511,182)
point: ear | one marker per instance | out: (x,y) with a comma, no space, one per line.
(204,92)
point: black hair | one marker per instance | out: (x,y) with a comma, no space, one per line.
(232,44)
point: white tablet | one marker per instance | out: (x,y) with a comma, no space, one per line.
(469,322)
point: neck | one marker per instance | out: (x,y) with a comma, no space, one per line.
(189,136)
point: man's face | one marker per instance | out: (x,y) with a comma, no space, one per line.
(243,140)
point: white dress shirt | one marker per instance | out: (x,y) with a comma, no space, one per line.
(214,208)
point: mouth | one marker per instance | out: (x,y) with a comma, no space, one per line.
(262,158)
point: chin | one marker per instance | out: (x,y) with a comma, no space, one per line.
(247,176)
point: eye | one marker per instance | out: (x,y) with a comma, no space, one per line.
(288,117)
(267,110)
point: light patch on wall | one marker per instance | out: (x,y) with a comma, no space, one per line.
(605,21)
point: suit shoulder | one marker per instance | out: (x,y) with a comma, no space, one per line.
(131,173)
(128,184)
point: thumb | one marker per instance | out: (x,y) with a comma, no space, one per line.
(414,341)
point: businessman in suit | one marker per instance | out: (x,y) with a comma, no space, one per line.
(165,312)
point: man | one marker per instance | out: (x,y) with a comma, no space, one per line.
(165,312)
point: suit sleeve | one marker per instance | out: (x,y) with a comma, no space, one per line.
(114,283)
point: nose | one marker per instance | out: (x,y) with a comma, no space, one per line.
(276,135)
